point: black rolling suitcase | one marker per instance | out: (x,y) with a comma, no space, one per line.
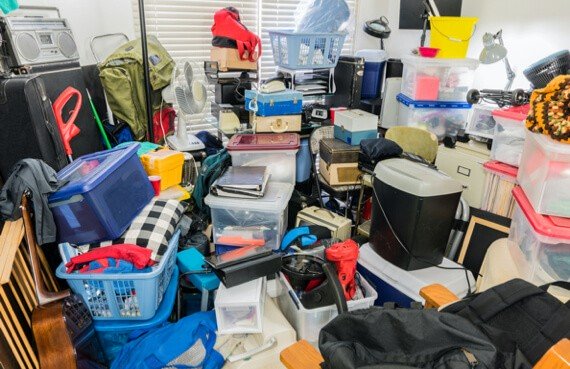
(27,124)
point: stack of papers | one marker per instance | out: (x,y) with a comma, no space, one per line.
(242,182)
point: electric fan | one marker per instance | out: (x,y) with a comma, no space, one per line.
(187,92)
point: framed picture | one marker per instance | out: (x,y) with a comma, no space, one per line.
(484,228)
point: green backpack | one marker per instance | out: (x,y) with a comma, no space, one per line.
(122,77)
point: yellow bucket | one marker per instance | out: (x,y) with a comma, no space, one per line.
(451,35)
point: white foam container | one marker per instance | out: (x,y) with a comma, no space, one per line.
(308,322)
(544,174)
(269,212)
(411,282)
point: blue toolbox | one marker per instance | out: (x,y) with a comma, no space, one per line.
(286,102)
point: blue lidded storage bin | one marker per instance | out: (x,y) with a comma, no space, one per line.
(374,63)
(113,335)
(106,190)
(286,102)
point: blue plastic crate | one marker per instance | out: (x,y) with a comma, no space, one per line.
(105,191)
(306,50)
(128,296)
(113,335)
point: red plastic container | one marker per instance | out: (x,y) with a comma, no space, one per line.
(428,52)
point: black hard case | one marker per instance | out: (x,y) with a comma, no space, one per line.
(27,124)
(334,151)
(348,82)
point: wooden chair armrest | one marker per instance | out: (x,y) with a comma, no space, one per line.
(558,357)
(301,355)
(437,295)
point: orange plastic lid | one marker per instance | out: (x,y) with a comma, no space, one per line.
(518,113)
(502,168)
(545,225)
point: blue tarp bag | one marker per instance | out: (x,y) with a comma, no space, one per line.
(187,344)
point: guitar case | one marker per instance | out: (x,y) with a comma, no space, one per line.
(28,128)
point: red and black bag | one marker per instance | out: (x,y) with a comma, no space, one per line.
(228,31)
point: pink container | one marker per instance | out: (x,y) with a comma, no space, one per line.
(427,88)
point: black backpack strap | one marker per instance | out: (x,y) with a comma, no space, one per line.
(491,302)
(556,328)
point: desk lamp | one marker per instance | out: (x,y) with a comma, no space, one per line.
(493,51)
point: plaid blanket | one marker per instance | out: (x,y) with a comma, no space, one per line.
(152,228)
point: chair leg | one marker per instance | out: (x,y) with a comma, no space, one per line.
(316,176)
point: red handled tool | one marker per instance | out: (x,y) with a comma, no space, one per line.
(345,255)
(67,129)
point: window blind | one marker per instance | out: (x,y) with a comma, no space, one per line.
(281,14)
(184,27)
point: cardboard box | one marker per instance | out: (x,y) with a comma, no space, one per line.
(228,59)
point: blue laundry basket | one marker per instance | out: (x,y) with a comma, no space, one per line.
(126,296)
(306,50)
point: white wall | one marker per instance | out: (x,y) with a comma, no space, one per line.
(531,30)
(90,18)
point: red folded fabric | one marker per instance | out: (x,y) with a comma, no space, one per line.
(138,256)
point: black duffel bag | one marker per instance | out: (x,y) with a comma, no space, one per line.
(379,338)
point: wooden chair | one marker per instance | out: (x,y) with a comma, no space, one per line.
(18,298)
(302,355)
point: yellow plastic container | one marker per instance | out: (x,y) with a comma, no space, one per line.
(451,35)
(164,163)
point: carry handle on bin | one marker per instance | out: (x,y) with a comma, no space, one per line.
(280,123)
(67,129)
(453,39)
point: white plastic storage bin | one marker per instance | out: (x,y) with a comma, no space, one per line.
(264,217)
(277,151)
(240,309)
(394,284)
(539,244)
(441,118)
(437,79)
(544,174)
(309,322)
(508,140)
(481,121)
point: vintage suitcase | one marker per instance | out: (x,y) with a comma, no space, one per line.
(276,124)
(353,126)
(27,124)
(339,226)
(277,103)
(348,81)
(334,151)
(340,174)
